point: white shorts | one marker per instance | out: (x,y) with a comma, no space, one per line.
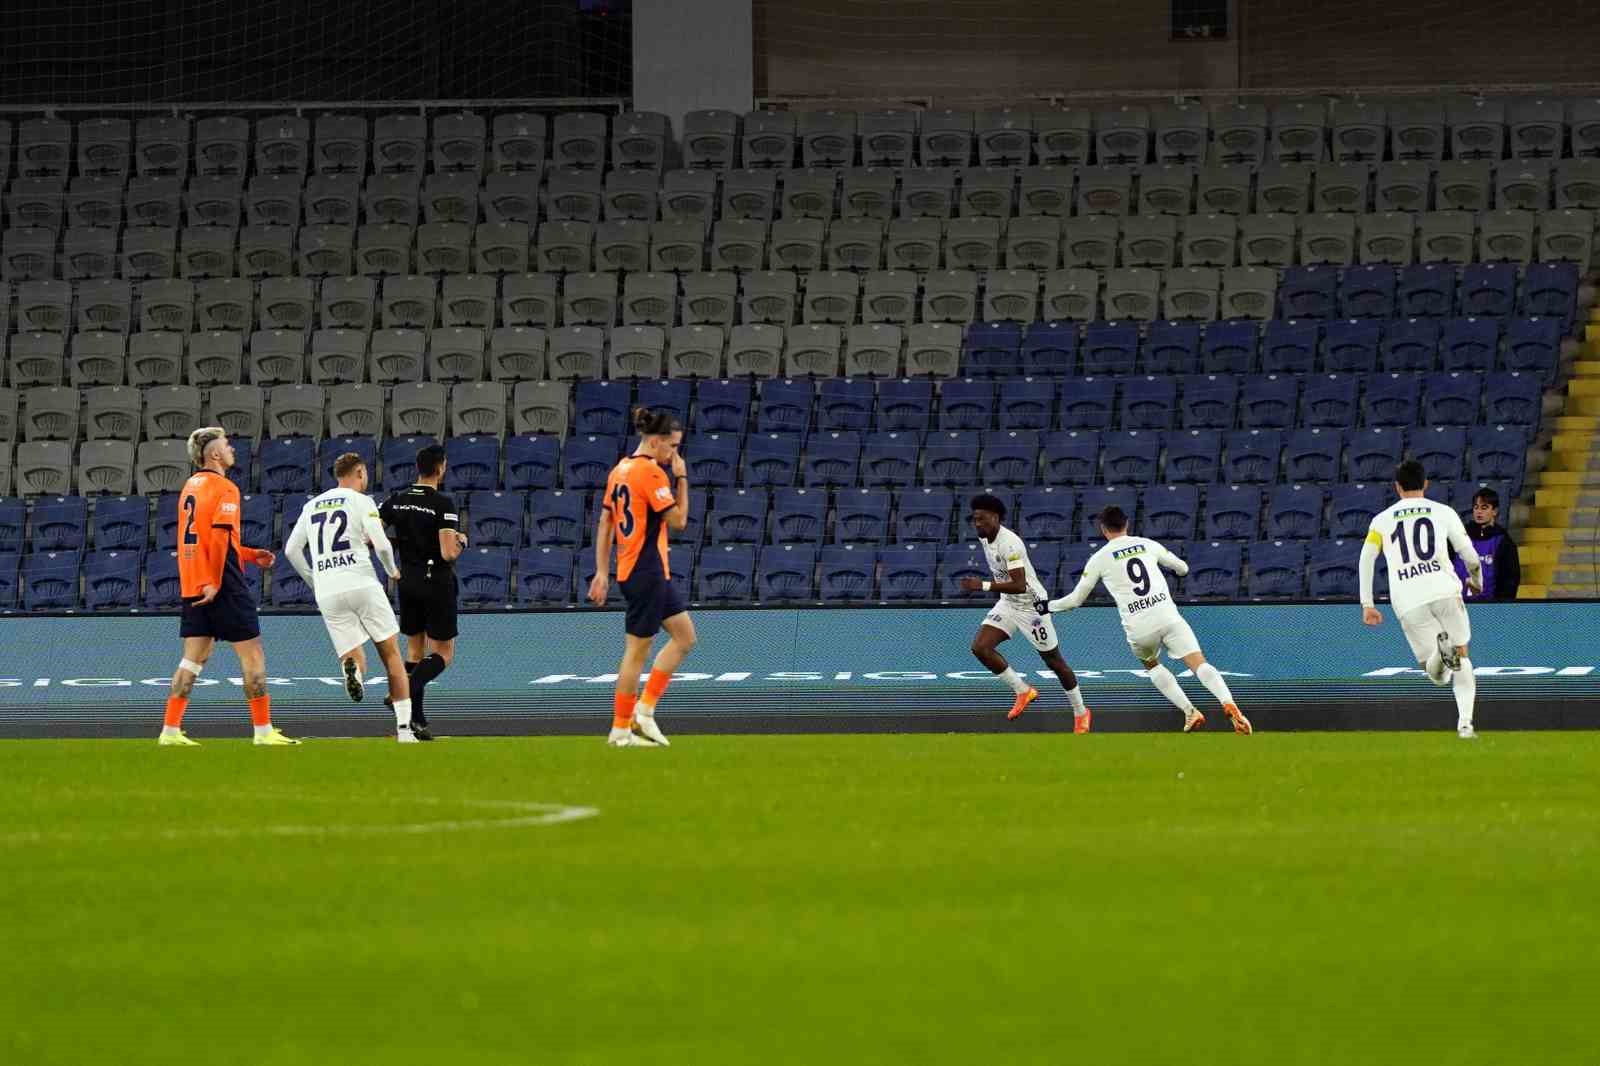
(1175,636)
(1011,619)
(356,614)
(1422,625)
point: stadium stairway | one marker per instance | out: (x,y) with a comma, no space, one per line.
(1561,542)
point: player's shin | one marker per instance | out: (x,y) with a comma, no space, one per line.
(654,688)
(1466,693)
(1434,667)
(1208,676)
(1168,686)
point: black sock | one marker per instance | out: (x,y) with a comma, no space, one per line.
(429,668)
(411,668)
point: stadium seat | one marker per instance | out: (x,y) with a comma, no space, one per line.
(1131,458)
(586,461)
(1351,346)
(695,351)
(601,407)
(1109,349)
(1351,507)
(1455,399)
(1313,455)
(120,523)
(556,518)
(105,466)
(845,573)
(544,575)
(1026,403)
(1373,453)
(1277,569)
(50,581)
(1149,403)
(1410,344)
(161,586)
(785,572)
(494,519)
(1268,402)
(1071,457)
(713,459)
(783,406)
(13,521)
(1229,348)
(532,461)
(1009,457)
(1549,290)
(1193,456)
(724,573)
(1087,403)
(1216,571)
(1332,568)
(951,458)
(1294,512)
(1172,348)
(1440,450)
(831,459)
(1497,453)
(967,404)
(992,349)
(889,458)
(1330,400)
(1533,346)
(771,459)
(739,517)
(1469,344)
(1253,456)
(799,516)
(60,524)
(111,580)
(722,407)
(1170,511)
(484,575)
(1210,401)
(907,571)
(1487,290)
(1232,512)
(288,464)
(844,404)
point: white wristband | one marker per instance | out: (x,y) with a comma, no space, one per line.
(988,586)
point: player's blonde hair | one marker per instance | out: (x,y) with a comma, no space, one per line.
(200,439)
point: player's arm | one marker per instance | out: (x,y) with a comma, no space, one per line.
(1456,533)
(1170,561)
(295,548)
(451,539)
(1080,592)
(373,524)
(662,497)
(1369,560)
(604,529)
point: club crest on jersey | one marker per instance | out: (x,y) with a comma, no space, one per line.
(663,493)
(229,508)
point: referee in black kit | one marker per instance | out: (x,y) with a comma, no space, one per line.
(428,537)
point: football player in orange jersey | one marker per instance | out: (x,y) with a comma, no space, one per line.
(217,604)
(639,506)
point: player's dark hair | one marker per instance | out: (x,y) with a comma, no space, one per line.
(984,501)
(346,464)
(430,460)
(1488,496)
(1410,476)
(650,423)
(1113,518)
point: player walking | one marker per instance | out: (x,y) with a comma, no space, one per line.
(217,604)
(638,508)
(1424,590)
(352,602)
(1131,569)
(1021,608)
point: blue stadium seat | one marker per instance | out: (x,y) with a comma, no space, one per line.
(1131,458)
(1330,400)
(1047,514)
(288,590)
(600,408)
(1350,346)
(531,462)
(891,458)
(966,404)
(1410,344)
(1533,346)
(1461,493)
(1170,511)
(494,519)
(1440,450)
(1308,292)
(845,572)
(992,350)
(1294,512)
(586,462)
(242,472)
(287,464)
(1268,402)
(722,407)
(11,578)
(1289,346)
(1452,399)
(1092,501)
(957,561)
(473,464)
(1499,453)
(14,523)
(1313,455)
(724,573)
(907,571)
(1148,402)
(161,588)
(121,523)
(50,581)
(330,450)
(1215,571)
(1550,290)
(1229,348)
(398,456)
(831,459)
(1332,570)
(771,459)
(1026,403)
(1469,344)
(923,515)
(799,516)
(1512,399)
(786,572)
(1193,456)
(682,565)
(256,514)
(950,458)
(845,404)
(1487,289)
(1252,456)
(1427,291)
(1071,457)
(905,405)
(1233,512)
(1009,458)
(674,396)
(1110,349)
(1351,507)
(784,406)
(1391,401)
(289,508)
(1277,569)
(544,576)
(1210,401)
(739,517)
(713,459)
(1172,348)
(1087,403)
(1046,558)
(1073,559)
(484,575)
(1374,452)
(861,516)
(1367,292)
(555,519)
(1050,349)
(60,523)
(111,580)
(689,537)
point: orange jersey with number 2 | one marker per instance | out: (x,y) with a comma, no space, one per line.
(637,497)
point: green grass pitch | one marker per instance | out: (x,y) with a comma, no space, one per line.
(1315,898)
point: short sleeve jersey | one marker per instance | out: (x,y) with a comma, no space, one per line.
(637,497)
(335,527)
(1412,534)
(209,552)
(416,514)
(1007,553)
(1130,569)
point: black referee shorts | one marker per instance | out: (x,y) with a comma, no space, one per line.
(428,607)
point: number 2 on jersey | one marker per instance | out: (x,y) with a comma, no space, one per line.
(1139,576)
(340,542)
(188,524)
(621,505)
(1423,545)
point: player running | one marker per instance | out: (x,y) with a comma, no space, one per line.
(1423,588)
(352,602)
(1021,607)
(638,508)
(217,604)
(1131,569)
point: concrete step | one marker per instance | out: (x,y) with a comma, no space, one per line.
(1527,591)
(1546,574)
(1573,423)
(1560,536)
(1586,368)
(1584,387)
(1550,479)
(1574,440)
(1573,459)
(1570,592)
(1584,405)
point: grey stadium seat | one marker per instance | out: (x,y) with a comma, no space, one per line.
(578,139)
(282,144)
(44,306)
(630,194)
(29,254)
(573,196)
(455,354)
(340,144)
(444,248)
(332,198)
(1045,191)
(1463,185)
(220,145)
(1166,189)
(796,244)
(873,351)
(987,192)
(889,296)
(380,249)
(649,299)
(540,407)
(239,409)
(689,196)
(1224,190)
(622,245)
(214,201)
(1267,240)
(519,142)
(576,353)
(95,201)
(950,296)
(161,145)
(516,353)
(1149,240)
(1090,241)
(1328,239)
(273,200)
(929,192)
(1249,292)
(319,251)
(1577,181)
(1537,127)
(1445,237)
(98,358)
(738,244)
(868,192)
(831,297)
(637,352)
(225,303)
(948,138)
(1416,128)
(1011,294)
(1567,236)
(933,349)
(458,142)
(812,350)
(155,201)
(171,412)
(167,304)
(1005,137)
(89,253)
(755,350)
(770,296)
(1122,134)
(396,356)
(393,198)
(1299,131)
(1193,293)
(1210,240)
(1507,237)
(888,137)
(478,407)
(409,301)
(1105,190)
(1404,185)
(1359,130)
(710,139)
(1182,132)
(677,246)
(295,410)
(696,351)
(467,300)
(105,304)
(44,468)
(827,138)
(216,358)
(417,410)
(1033,243)
(161,466)
(277,357)
(450,198)
(287,303)
(111,412)
(565,246)
(914,244)
(710,298)
(106,466)
(348,303)
(511,198)
(155,358)
(38,359)
(1343,187)
(750,194)
(336,356)
(8,415)
(972,243)
(1133,292)
(37,202)
(855,244)
(1284,189)
(1387,237)
(147,252)
(590,298)
(501,247)
(1524,185)
(1072,295)
(529,300)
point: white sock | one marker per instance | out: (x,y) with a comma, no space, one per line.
(643,709)
(1168,685)
(1207,675)
(1014,679)
(402,713)
(1075,697)
(171,730)
(1435,669)
(1466,689)
(264,730)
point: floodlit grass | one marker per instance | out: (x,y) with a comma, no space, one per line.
(1313,898)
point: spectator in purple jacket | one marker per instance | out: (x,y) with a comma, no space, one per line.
(1502,567)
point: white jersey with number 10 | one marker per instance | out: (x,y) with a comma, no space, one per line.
(1412,534)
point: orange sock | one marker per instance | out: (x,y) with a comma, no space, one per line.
(653,689)
(261,710)
(622,713)
(176,705)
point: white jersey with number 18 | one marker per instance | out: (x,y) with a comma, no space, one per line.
(1412,534)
